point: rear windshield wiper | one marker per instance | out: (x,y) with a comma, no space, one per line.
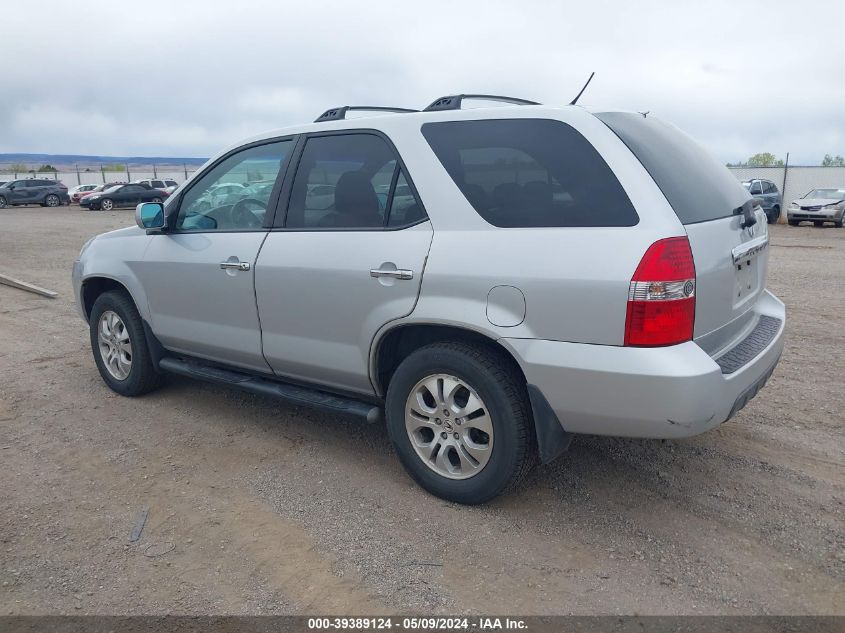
(748,216)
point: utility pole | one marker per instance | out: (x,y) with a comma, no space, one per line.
(783,190)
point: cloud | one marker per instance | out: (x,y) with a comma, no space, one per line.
(187,78)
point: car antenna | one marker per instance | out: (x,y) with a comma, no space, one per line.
(578,96)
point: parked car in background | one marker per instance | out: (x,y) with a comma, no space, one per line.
(3,182)
(100,188)
(47,193)
(767,193)
(166,185)
(80,190)
(532,272)
(818,206)
(122,196)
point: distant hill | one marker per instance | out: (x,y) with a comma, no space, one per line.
(69,160)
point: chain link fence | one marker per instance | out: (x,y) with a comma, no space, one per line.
(99,174)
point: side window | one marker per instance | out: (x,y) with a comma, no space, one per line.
(220,200)
(157,184)
(756,189)
(343,182)
(530,173)
(404,208)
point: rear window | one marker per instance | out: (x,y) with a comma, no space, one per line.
(698,187)
(530,173)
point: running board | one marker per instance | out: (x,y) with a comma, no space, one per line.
(292,393)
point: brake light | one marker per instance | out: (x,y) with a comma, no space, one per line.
(661,296)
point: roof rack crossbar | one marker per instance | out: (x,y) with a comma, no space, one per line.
(336,114)
(453,102)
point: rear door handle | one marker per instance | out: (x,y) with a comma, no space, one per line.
(399,273)
(234,265)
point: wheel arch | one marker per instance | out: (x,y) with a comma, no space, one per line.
(402,339)
(395,343)
(94,286)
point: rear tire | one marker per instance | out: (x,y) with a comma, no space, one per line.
(3,203)
(52,200)
(116,328)
(453,461)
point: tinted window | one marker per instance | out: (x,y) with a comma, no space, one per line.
(404,208)
(698,187)
(756,189)
(157,184)
(344,181)
(530,173)
(170,183)
(218,202)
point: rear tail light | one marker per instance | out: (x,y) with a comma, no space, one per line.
(661,296)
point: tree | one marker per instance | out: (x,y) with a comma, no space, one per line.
(47,168)
(764,159)
(114,167)
(833,161)
(18,168)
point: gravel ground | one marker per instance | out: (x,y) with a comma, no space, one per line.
(257,507)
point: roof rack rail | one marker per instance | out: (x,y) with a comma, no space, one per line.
(336,114)
(453,102)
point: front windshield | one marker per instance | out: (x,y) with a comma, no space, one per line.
(827,194)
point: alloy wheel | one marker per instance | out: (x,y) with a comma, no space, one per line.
(52,200)
(106,205)
(449,426)
(115,345)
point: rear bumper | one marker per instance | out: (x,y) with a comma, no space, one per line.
(664,392)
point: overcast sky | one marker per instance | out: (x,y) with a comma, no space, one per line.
(186,78)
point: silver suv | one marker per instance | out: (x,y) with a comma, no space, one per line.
(488,282)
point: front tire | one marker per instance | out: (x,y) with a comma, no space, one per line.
(106,204)
(3,203)
(120,345)
(459,418)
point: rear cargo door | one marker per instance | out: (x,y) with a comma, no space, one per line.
(727,234)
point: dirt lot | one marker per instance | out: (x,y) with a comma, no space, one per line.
(258,507)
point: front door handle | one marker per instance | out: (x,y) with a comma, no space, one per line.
(234,265)
(399,273)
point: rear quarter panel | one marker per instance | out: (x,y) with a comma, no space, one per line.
(575,280)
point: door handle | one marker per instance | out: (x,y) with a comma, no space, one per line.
(234,265)
(399,273)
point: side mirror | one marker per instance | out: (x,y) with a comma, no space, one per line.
(150,215)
